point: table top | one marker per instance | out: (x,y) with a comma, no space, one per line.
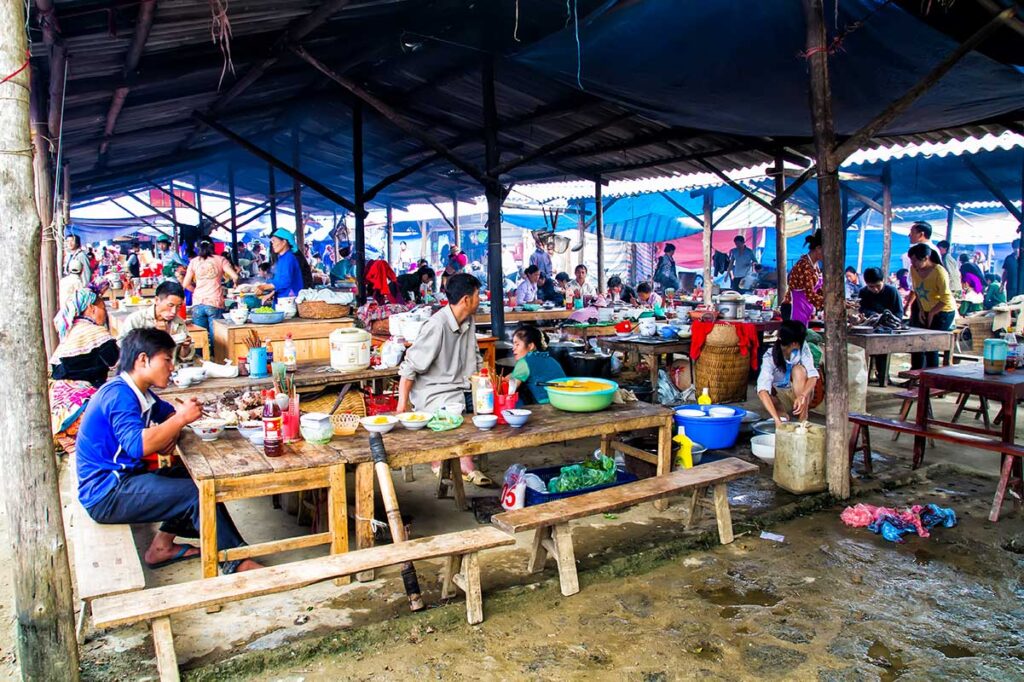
(644,344)
(294,322)
(910,332)
(972,376)
(233,456)
(305,375)
(524,315)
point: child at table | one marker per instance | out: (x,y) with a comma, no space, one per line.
(124,421)
(788,375)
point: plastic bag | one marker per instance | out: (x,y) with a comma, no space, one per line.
(535,483)
(443,420)
(513,492)
(590,473)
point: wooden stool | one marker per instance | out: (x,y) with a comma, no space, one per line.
(909,397)
(980,411)
(451,475)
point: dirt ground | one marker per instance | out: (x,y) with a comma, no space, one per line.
(657,602)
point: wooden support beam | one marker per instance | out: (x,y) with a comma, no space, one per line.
(456,227)
(736,204)
(495,197)
(780,199)
(143,24)
(300,218)
(993,188)
(49,269)
(42,616)
(886,219)
(146,221)
(277,163)
(195,207)
(678,158)
(54,42)
(397,176)
(360,212)
(599,230)
(440,212)
(389,227)
(391,114)
(738,187)
(897,107)
(546,149)
(834,242)
(682,209)
(950,215)
(870,202)
(780,229)
(709,207)
(234,210)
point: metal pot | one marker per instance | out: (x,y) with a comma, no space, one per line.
(596,365)
(561,350)
(731,310)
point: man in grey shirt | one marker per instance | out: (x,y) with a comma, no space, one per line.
(741,262)
(437,367)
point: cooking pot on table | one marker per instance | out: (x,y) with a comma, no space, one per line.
(561,350)
(590,365)
(731,309)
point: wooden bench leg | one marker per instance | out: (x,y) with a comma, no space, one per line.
(606,446)
(1004,480)
(163,643)
(854,440)
(443,475)
(458,485)
(722,513)
(904,411)
(407,474)
(664,456)
(696,509)
(867,450)
(468,580)
(337,515)
(560,546)
(452,566)
(538,552)
(83,618)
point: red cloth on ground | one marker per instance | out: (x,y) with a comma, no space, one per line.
(379,276)
(746,332)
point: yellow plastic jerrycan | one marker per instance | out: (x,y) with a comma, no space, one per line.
(684,455)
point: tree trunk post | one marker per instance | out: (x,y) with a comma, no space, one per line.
(886,220)
(599,233)
(48,272)
(709,207)
(834,247)
(43,611)
(780,230)
(494,193)
(272,191)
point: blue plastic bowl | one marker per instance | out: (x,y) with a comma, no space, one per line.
(714,433)
(266,318)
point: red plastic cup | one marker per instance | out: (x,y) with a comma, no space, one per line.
(504,402)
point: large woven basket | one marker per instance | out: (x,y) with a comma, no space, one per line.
(724,372)
(981,329)
(319,310)
(723,336)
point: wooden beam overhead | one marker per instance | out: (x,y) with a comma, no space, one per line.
(682,209)
(992,187)
(545,149)
(738,187)
(782,198)
(869,202)
(288,170)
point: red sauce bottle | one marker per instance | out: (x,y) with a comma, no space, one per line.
(273,438)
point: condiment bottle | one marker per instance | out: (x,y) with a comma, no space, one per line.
(684,455)
(270,355)
(705,398)
(290,353)
(483,399)
(272,426)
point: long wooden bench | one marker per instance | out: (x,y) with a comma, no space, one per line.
(860,439)
(156,605)
(551,519)
(105,558)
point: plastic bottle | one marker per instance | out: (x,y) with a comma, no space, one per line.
(705,398)
(483,399)
(272,426)
(269,347)
(290,353)
(1012,357)
(684,455)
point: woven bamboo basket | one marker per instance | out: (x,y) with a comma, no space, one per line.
(721,368)
(319,310)
(981,329)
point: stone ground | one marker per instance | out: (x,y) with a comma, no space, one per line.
(657,602)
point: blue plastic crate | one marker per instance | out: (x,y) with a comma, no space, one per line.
(547,473)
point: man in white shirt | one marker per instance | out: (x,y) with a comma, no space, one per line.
(581,288)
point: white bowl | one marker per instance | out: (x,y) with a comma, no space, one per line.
(208,429)
(372,424)
(239,315)
(414,421)
(692,414)
(485,422)
(516,418)
(763,447)
(181,382)
(193,374)
(721,412)
(250,428)
(256,439)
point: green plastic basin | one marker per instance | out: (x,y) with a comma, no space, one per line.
(575,401)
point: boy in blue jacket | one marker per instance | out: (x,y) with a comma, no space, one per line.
(124,421)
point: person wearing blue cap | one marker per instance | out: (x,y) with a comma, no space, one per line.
(287,279)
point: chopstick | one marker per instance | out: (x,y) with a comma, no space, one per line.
(207,414)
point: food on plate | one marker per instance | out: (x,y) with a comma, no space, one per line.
(579,386)
(416,417)
(380,420)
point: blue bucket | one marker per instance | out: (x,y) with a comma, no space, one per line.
(257,363)
(714,433)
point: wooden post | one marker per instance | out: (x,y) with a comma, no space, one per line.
(300,222)
(583,232)
(780,229)
(834,242)
(599,233)
(455,220)
(174,217)
(43,613)
(48,270)
(389,228)
(272,191)
(709,206)
(950,215)
(358,190)
(886,219)
(495,195)
(234,209)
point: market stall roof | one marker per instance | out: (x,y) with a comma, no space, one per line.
(131,93)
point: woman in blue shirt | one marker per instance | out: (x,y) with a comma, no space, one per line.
(287,280)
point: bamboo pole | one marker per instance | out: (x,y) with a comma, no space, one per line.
(709,206)
(780,229)
(48,270)
(300,222)
(834,243)
(950,215)
(886,219)
(455,220)
(599,233)
(357,184)
(390,229)
(272,190)
(234,210)
(43,612)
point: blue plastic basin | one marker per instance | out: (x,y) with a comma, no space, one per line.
(714,433)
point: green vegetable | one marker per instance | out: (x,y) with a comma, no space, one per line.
(590,473)
(264,309)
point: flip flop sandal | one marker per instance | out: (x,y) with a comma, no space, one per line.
(478,478)
(182,555)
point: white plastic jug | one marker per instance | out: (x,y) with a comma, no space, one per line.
(350,349)
(800,457)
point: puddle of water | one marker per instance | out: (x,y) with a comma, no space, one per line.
(882,656)
(727,596)
(922,557)
(955,651)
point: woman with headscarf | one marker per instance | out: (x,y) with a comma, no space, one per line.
(288,279)
(81,362)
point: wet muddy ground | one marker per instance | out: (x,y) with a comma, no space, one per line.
(828,603)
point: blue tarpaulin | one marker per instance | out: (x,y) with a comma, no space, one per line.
(736,66)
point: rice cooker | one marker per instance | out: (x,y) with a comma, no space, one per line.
(350,349)
(731,305)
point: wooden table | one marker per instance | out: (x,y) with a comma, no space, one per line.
(542,315)
(200,337)
(881,346)
(145,292)
(310,336)
(590,331)
(547,425)
(231,468)
(1006,389)
(652,349)
(306,375)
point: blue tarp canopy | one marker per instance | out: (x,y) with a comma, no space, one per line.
(736,66)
